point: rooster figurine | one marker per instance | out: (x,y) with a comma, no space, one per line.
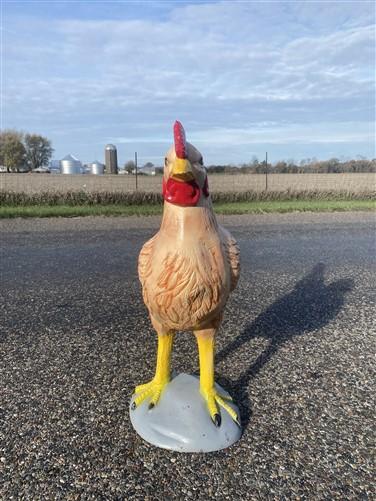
(187,271)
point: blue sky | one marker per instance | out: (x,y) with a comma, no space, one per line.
(295,79)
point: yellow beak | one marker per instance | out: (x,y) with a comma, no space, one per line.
(182,170)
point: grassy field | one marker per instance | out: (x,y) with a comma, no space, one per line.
(251,207)
(36,183)
(85,202)
(73,198)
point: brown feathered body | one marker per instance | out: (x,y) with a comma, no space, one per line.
(188,269)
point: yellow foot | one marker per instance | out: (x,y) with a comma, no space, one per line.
(152,390)
(215,400)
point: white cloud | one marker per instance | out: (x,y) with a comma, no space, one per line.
(318,133)
(143,60)
(268,133)
(211,63)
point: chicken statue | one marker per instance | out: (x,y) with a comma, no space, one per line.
(187,271)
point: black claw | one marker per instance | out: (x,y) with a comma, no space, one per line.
(217,420)
(133,406)
(151,405)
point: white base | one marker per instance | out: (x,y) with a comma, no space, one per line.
(181,422)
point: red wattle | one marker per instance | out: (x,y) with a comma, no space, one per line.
(181,193)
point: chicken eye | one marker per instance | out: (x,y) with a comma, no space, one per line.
(165,161)
(201,161)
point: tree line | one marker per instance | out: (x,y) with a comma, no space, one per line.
(333,165)
(305,166)
(19,151)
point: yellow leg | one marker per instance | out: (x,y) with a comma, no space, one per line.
(205,340)
(154,388)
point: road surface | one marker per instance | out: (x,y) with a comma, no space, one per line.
(295,350)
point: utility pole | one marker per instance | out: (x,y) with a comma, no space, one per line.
(266,171)
(135,163)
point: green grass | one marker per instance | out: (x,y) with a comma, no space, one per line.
(252,207)
(75,198)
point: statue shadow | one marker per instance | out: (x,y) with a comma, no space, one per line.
(311,305)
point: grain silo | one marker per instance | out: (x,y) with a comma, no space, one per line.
(110,154)
(70,165)
(97,168)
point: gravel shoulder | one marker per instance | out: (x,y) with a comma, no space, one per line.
(296,351)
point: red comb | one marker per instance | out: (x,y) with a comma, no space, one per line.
(179,140)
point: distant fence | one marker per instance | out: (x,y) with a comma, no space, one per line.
(36,183)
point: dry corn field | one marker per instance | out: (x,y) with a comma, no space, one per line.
(37,183)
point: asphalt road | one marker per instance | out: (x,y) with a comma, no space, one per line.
(296,351)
